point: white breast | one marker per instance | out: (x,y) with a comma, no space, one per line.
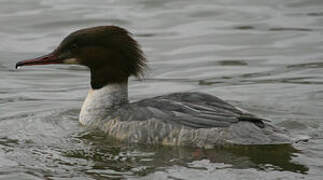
(99,101)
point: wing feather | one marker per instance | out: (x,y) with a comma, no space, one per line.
(195,110)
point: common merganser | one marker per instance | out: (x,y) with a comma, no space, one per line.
(181,119)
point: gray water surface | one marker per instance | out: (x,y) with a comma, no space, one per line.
(263,56)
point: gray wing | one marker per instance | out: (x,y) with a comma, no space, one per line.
(196,110)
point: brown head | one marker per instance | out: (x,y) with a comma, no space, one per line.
(111,54)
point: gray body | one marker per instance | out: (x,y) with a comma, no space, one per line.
(178,119)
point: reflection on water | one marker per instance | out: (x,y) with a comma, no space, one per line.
(263,56)
(142,160)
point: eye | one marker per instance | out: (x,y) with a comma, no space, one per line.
(74,46)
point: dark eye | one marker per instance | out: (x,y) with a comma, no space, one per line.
(74,46)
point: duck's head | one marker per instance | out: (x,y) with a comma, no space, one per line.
(111,54)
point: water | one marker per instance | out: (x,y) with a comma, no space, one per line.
(263,56)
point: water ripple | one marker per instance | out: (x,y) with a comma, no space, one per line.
(263,56)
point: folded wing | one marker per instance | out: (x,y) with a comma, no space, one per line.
(195,110)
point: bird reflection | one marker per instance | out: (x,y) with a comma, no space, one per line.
(109,154)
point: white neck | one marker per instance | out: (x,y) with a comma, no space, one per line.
(99,101)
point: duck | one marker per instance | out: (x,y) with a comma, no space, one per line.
(192,119)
